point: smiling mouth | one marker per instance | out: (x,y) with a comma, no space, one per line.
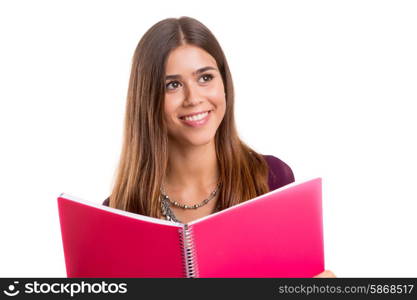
(196,117)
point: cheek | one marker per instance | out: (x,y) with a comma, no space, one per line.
(170,106)
(221,101)
(217,96)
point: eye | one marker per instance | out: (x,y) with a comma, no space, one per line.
(206,78)
(172,85)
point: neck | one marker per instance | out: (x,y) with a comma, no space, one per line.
(194,166)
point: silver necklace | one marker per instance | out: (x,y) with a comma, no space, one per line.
(166,202)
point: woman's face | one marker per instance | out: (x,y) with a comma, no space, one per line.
(195,101)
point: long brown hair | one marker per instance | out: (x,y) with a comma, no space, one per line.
(144,155)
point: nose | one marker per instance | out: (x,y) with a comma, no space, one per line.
(192,96)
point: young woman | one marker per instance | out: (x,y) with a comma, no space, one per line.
(182,158)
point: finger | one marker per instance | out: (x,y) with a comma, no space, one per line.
(325,274)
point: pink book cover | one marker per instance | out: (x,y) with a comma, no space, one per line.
(278,234)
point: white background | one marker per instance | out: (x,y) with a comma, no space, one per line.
(327,86)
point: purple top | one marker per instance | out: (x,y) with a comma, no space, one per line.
(280,174)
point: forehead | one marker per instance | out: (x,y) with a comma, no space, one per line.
(187,59)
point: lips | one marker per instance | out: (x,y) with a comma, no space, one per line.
(195,115)
(196,120)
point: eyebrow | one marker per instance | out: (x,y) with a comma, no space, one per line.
(199,71)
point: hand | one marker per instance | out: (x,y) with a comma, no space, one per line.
(325,274)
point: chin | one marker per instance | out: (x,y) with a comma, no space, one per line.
(194,139)
(200,142)
(197,140)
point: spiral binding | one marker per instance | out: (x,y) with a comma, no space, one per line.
(187,244)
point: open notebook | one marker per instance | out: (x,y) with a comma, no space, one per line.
(278,234)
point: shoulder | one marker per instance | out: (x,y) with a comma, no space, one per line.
(279,173)
(106,202)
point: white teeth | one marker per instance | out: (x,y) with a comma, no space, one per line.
(196,117)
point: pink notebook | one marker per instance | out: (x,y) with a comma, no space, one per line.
(278,234)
